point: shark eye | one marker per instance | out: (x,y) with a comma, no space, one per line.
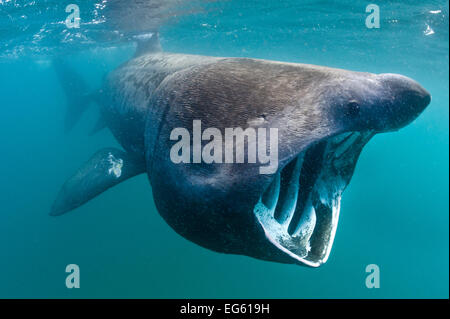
(353,108)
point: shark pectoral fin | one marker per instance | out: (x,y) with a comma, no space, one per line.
(107,168)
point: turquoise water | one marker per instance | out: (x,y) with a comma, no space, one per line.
(394,212)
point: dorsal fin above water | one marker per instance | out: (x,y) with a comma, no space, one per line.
(147,43)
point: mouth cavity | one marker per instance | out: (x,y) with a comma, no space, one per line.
(299,210)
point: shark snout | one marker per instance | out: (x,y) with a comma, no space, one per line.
(405,99)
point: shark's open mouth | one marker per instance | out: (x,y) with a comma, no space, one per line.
(299,211)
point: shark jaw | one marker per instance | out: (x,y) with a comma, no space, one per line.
(299,210)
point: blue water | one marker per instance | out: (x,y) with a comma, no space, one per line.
(394,212)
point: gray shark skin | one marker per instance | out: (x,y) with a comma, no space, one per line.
(324,117)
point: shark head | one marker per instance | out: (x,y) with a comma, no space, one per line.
(299,210)
(319,120)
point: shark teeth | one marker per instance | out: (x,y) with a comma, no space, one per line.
(299,210)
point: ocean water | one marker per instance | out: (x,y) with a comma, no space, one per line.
(394,213)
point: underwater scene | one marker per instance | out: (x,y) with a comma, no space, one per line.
(224,149)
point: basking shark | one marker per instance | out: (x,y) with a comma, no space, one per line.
(323,117)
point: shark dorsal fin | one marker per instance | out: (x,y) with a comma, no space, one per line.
(148,43)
